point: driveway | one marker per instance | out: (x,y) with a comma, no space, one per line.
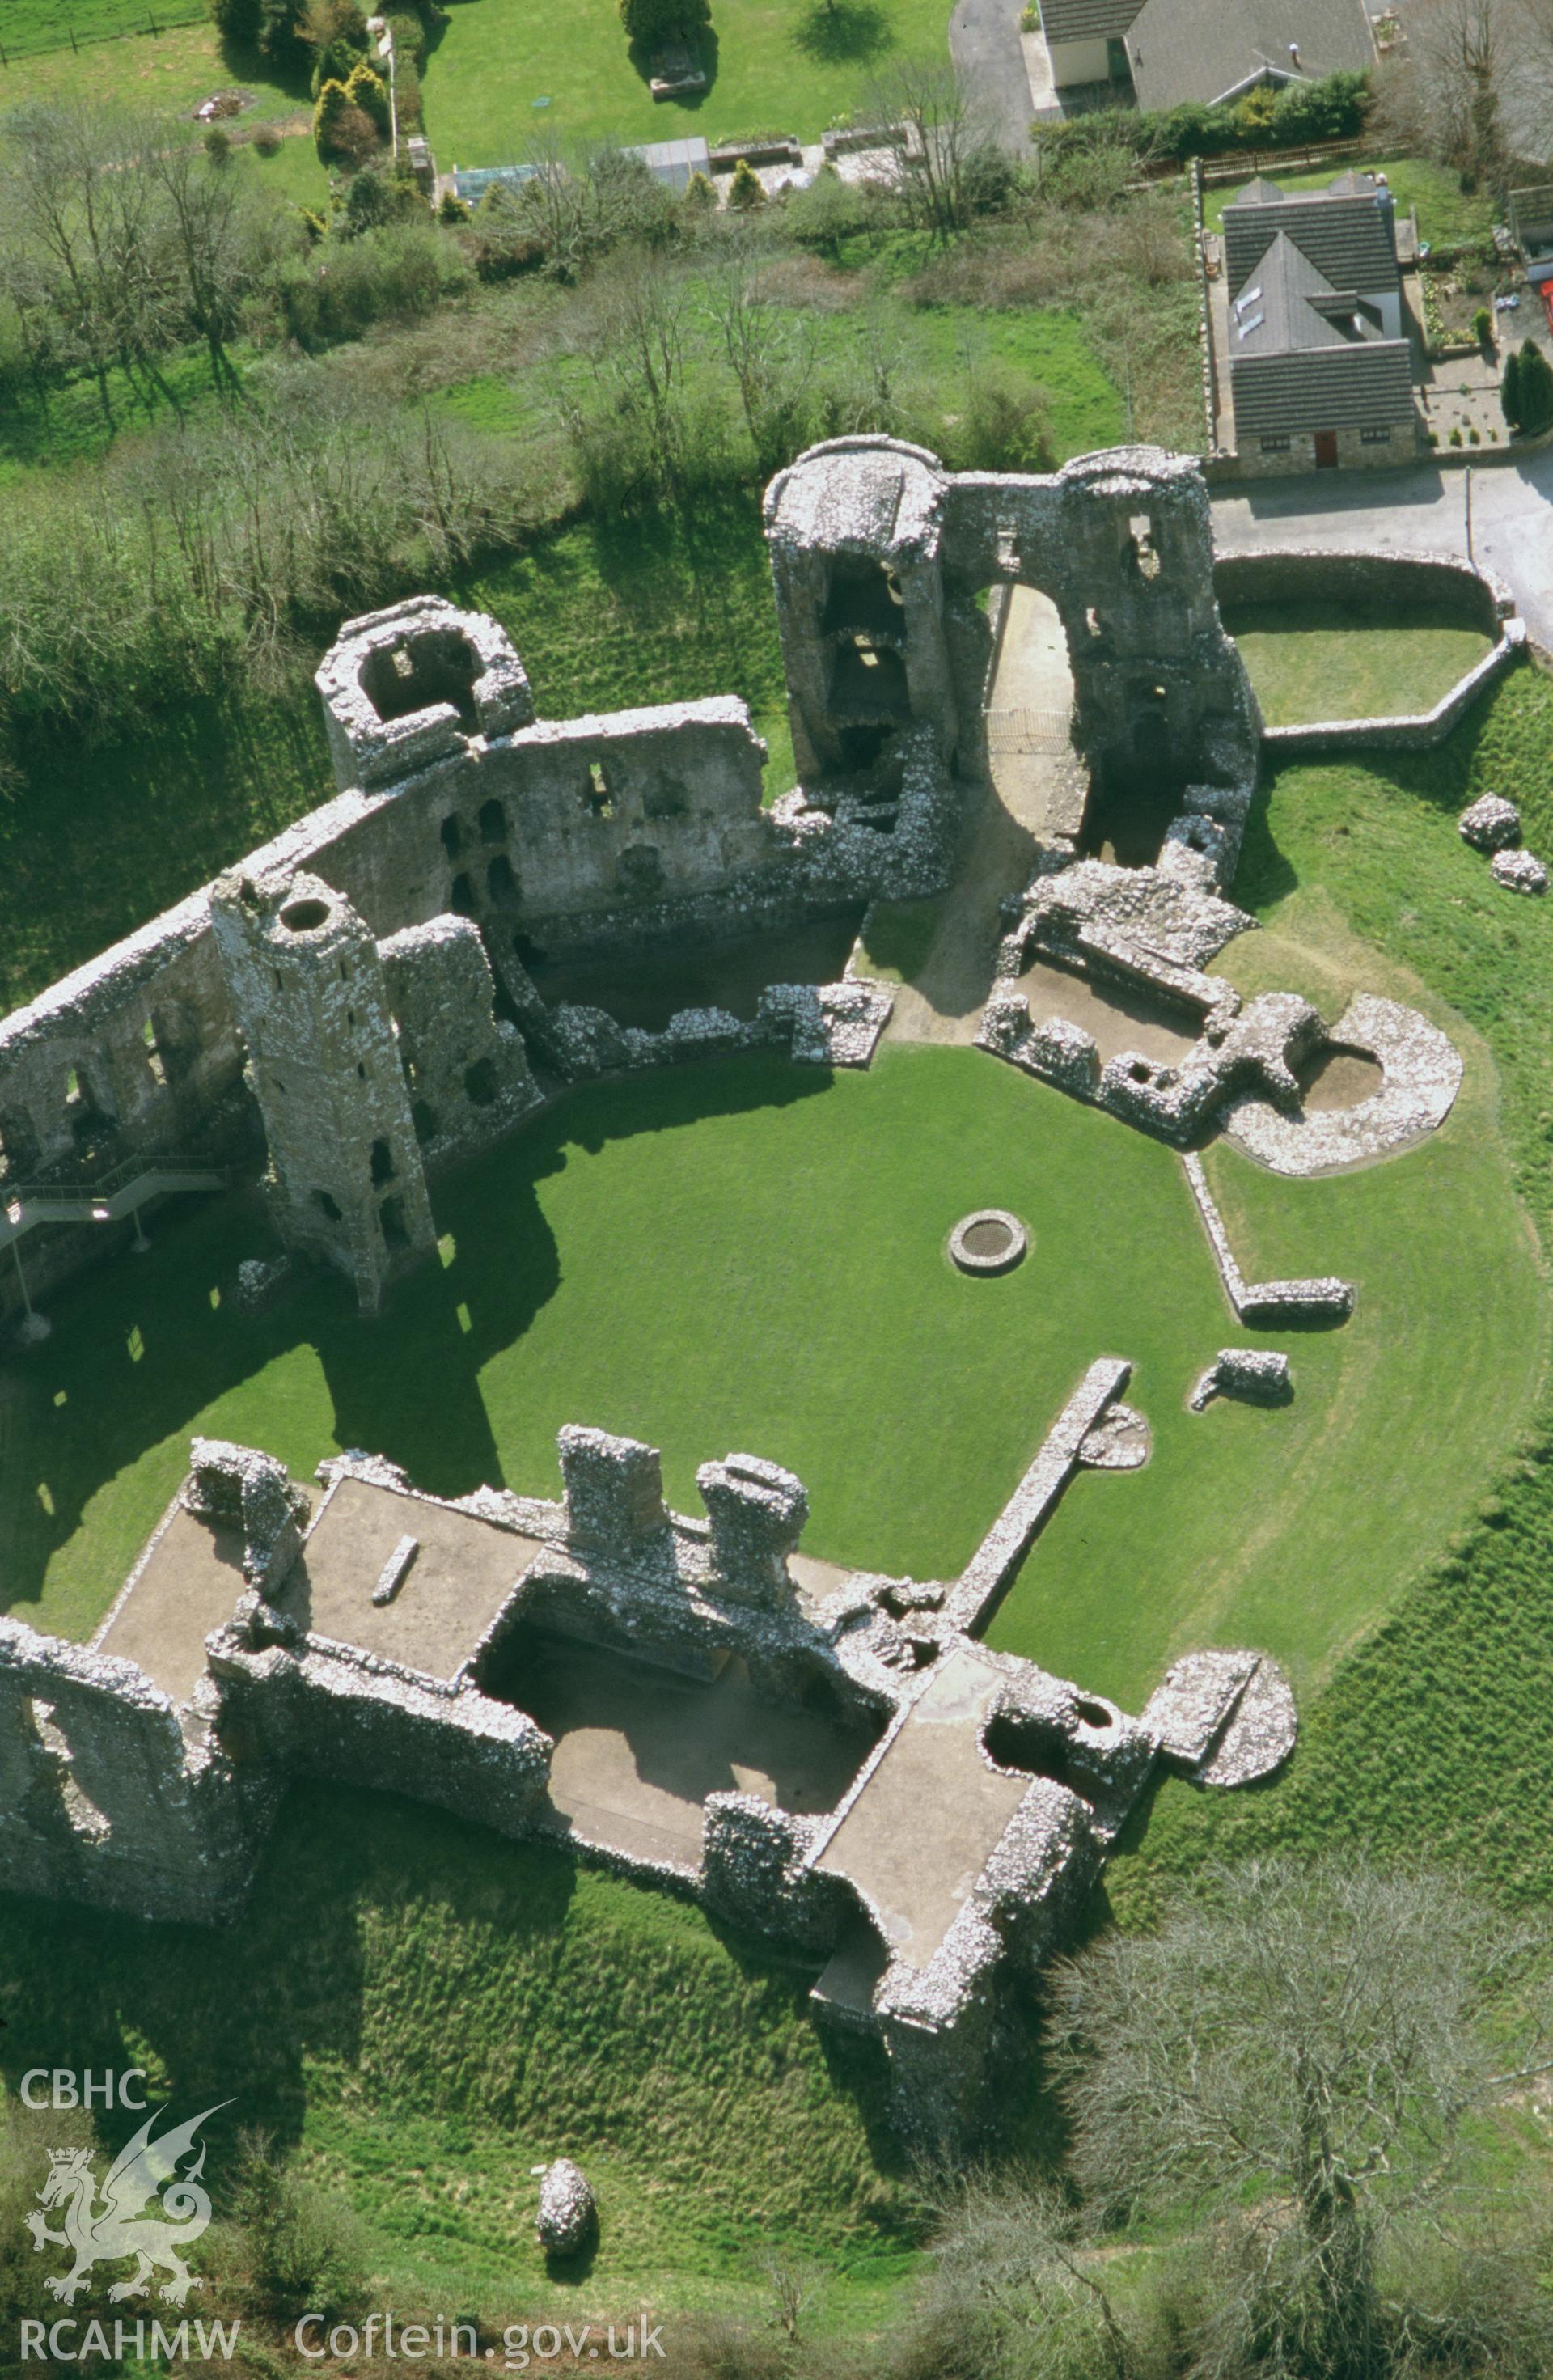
(984,41)
(1412,512)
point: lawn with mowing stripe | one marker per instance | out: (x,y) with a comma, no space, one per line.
(1338,661)
(752,1255)
(774,66)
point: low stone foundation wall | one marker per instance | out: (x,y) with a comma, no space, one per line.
(1381,582)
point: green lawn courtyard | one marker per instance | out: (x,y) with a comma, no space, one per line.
(751,1256)
(1338,661)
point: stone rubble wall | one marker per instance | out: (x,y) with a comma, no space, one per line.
(103,1798)
(1381,582)
(324,1709)
(1266,1303)
(467,1069)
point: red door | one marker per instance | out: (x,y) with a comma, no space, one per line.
(1325,450)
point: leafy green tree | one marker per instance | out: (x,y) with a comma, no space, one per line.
(241,21)
(1509,389)
(650,23)
(1535,390)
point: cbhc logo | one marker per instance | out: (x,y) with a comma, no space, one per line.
(58,2087)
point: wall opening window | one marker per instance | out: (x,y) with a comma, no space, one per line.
(383,1163)
(599,798)
(492,821)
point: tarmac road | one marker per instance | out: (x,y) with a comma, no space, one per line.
(1422,511)
(985,45)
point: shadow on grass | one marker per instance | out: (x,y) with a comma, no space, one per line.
(247,63)
(141,1351)
(703,47)
(844,32)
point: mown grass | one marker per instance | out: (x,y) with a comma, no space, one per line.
(33,25)
(773,66)
(170,71)
(1435,1737)
(1338,661)
(729,1311)
(1447,216)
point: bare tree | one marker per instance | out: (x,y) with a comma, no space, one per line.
(1445,92)
(943,132)
(220,237)
(773,354)
(1015,2278)
(1293,2054)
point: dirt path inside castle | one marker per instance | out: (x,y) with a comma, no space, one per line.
(1036,789)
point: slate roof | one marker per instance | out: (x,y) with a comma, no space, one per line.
(1306,356)
(1345,233)
(1085,20)
(1332,388)
(1203,49)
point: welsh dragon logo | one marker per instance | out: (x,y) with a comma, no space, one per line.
(129,2221)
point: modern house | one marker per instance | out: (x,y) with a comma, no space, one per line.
(1311,342)
(1171,51)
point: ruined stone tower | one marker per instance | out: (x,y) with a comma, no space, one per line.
(346,1180)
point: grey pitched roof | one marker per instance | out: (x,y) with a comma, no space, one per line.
(1087,20)
(1350,238)
(1305,355)
(1203,49)
(1331,388)
(1287,303)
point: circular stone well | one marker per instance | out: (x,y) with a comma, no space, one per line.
(990,1241)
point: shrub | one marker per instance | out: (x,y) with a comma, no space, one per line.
(1473,438)
(305,2247)
(367,91)
(377,196)
(1030,18)
(1483,327)
(240,20)
(451,209)
(337,62)
(407,86)
(267,141)
(1509,389)
(828,213)
(1455,438)
(747,191)
(1004,426)
(987,179)
(651,22)
(347,136)
(409,40)
(1535,390)
(216,143)
(699,194)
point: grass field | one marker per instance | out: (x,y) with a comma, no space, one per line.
(1446,214)
(1434,1736)
(775,66)
(422,2011)
(1245,1524)
(30,26)
(171,71)
(1336,660)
